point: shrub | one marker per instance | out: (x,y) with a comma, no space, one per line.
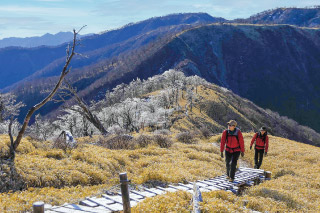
(118,142)
(185,137)
(284,172)
(163,141)
(205,132)
(162,132)
(143,140)
(60,143)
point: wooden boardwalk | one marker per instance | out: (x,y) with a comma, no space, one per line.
(113,203)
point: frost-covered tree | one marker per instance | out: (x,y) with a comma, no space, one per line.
(42,129)
(9,107)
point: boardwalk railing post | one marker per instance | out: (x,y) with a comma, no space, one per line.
(196,198)
(125,192)
(268,175)
(38,207)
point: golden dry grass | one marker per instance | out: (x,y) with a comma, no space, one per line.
(22,201)
(89,166)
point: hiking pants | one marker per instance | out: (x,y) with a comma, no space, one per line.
(231,163)
(258,157)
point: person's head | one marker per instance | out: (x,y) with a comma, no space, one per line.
(263,130)
(232,124)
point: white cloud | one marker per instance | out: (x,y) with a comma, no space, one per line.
(42,11)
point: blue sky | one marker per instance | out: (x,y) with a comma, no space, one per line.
(25,18)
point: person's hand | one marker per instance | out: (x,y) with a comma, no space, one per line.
(250,147)
(265,154)
(242,154)
(222,154)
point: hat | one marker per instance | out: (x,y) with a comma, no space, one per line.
(232,123)
(263,128)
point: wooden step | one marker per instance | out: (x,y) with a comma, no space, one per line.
(98,209)
(156,191)
(144,193)
(115,198)
(169,189)
(88,203)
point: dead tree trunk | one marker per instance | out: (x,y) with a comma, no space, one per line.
(70,53)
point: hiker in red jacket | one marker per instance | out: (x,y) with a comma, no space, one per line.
(233,144)
(261,146)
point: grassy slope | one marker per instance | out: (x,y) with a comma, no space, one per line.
(56,177)
(295,185)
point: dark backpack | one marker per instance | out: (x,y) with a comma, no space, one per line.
(263,139)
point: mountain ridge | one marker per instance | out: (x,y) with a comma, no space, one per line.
(47,39)
(303,17)
(38,58)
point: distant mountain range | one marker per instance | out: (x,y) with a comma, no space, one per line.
(45,40)
(19,63)
(276,66)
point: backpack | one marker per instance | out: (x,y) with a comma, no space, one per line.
(234,135)
(263,139)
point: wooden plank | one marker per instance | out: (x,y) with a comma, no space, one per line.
(115,198)
(62,209)
(212,188)
(252,170)
(220,187)
(206,182)
(88,203)
(136,197)
(214,181)
(183,188)
(156,191)
(167,189)
(200,184)
(98,209)
(144,193)
(224,186)
(101,202)
(188,185)
(116,207)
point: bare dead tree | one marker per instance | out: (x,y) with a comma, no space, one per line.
(84,108)
(70,52)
